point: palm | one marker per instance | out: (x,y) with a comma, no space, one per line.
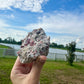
(24,68)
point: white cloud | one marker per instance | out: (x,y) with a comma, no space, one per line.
(61,22)
(63,39)
(80,40)
(70,24)
(16,34)
(10,16)
(5,31)
(7,16)
(26,5)
(3,24)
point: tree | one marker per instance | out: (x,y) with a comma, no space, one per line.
(13,41)
(71,48)
(60,46)
(54,45)
(0,40)
(19,42)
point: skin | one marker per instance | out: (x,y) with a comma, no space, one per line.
(27,73)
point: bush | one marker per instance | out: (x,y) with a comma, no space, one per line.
(71,48)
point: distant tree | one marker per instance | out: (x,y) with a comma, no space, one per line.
(60,46)
(6,41)
(54,45)
(13,41)
(0,40)
(71,48)
(9,39)
(19,42)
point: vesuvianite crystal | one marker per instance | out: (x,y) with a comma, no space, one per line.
(36,43)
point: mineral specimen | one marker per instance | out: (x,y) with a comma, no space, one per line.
(35,44)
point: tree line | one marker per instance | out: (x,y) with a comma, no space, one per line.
(71,48)
(10,40)
(13,41)
(55,45)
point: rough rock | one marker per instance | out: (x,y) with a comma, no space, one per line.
(35,44)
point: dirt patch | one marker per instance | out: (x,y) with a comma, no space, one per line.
(68,77)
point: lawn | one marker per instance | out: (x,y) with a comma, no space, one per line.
(3,46)
(2,49)
(54,72)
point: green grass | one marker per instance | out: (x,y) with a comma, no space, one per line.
(3,46)
(1,52)
(5,69)
(53,72)
(2,49)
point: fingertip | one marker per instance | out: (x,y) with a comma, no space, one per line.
(42,58)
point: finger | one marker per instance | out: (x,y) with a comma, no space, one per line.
(37,66)
(17,63)
(21,68)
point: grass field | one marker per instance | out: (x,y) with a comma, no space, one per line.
(2,46)
(53,72)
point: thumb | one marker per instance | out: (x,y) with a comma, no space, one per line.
(37,67)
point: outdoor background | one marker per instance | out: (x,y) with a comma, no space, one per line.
(62,20)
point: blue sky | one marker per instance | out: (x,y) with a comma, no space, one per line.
(62,20)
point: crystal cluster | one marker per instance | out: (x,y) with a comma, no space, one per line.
(35,44)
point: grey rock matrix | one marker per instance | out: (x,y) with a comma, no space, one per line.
(35,44)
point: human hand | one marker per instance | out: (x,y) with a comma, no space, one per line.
(27,73)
